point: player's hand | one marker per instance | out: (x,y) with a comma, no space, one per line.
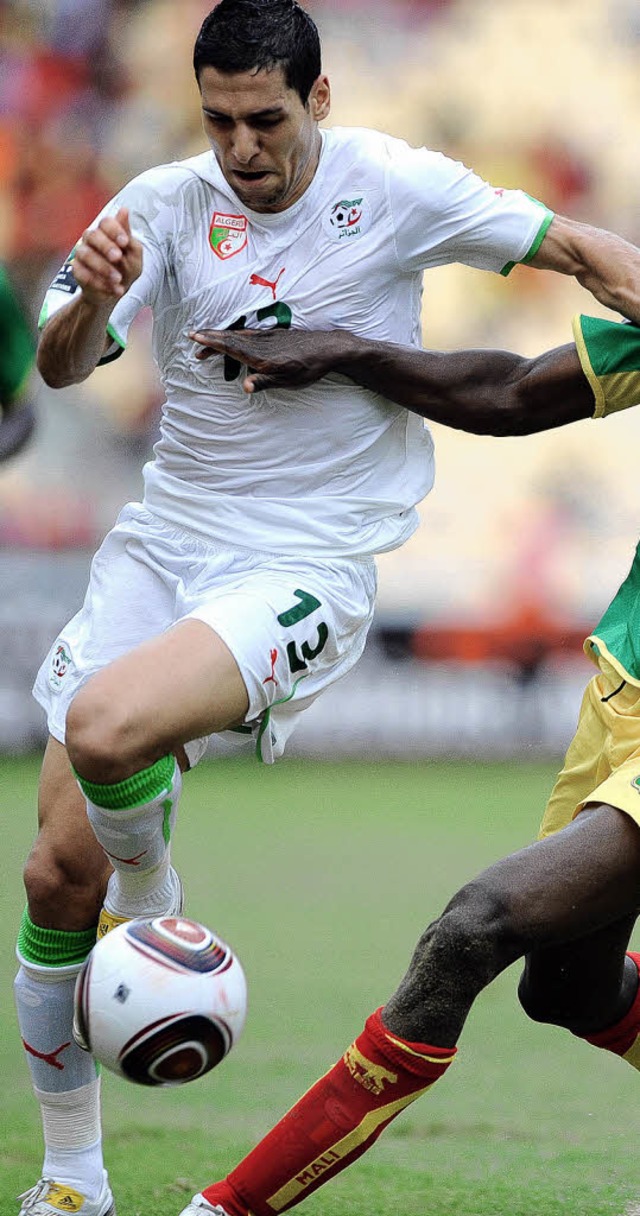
(277,358)
(108,259)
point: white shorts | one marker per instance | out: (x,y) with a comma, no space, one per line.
(294,626)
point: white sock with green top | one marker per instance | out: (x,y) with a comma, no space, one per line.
(133,821)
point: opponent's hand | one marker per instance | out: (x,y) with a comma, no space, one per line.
(277,358)
(108,259)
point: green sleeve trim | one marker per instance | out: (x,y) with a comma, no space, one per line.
(53,947)
(595,648)
(609,353)
(119,343)
(537,241)
(133,791)
(115,336)
(585,362)
(111,332)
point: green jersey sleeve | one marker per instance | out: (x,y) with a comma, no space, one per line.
(609,352)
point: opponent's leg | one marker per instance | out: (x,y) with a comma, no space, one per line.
(590,986)
(65,879)
(558,890)
(123,730)
(584,985)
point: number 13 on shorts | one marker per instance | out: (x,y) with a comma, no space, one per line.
(301,654)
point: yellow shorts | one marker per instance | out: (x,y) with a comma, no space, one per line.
(603,760)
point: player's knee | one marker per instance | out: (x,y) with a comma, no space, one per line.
(98,736)
(474,934)
(60,891)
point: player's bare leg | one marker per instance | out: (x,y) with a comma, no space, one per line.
(64,883)
(125,729)
(557,893)
(591,986)
(585,985)
(169,690)
(132,718)
(65,879)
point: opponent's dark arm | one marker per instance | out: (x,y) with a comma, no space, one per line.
(487,392)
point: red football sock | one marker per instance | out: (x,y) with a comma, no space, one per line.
(336,1121)
(622,1036)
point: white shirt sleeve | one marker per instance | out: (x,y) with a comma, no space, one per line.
(137,196)
(443,212)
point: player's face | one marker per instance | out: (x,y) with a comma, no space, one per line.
(266,141)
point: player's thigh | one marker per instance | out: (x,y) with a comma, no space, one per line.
(181,685)
(169,690)
(257,633)
(67,871)
(570,884)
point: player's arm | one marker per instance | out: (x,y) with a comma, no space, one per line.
(484,392)
(106,262)
(607,265)
(487,392)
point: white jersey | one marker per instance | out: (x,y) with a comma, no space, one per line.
(332,469)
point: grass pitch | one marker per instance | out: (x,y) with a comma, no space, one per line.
(322,876)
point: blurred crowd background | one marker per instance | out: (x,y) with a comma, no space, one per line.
(523,540)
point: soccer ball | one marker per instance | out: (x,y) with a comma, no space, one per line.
(160,1001)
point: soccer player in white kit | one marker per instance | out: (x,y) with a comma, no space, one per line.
(244,583)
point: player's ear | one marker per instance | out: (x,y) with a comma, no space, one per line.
(320,98)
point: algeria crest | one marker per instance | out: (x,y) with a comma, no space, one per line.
(346,213)
(348,218)
(227,235)
(60,663)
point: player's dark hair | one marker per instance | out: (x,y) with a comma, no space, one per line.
(250,35)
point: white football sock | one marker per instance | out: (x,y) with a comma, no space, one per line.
(133,821)
(64,1077)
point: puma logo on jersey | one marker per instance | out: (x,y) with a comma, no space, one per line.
(256,280)
(272,678)
(49,1057)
